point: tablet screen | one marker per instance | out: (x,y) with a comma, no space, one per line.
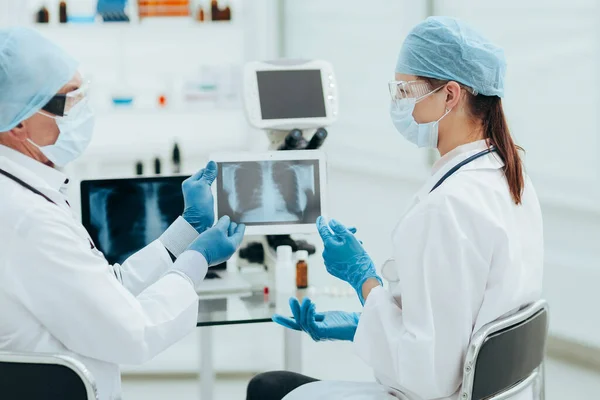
(274,192)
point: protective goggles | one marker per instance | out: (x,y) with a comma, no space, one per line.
(417,90)
(63,105)
(400,90)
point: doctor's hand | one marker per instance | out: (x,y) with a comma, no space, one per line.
(344,255)
(330,325)
(198,199)
(218,243)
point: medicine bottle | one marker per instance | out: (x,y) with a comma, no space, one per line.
(62,12)
(302,269)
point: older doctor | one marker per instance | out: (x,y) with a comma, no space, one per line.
(58,294)
(468,250)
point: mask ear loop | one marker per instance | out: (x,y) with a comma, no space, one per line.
(437,124)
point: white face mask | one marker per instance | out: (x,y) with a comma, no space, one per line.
(74,137)
(422,135)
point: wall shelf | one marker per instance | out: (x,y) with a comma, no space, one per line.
(173,26)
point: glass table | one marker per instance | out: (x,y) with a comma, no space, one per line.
(236,309)
(256,307)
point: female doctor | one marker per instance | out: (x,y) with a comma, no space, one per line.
(468,250)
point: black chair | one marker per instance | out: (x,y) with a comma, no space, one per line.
(44,377)
(506,356)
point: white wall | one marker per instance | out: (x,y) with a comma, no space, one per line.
(361,40)
(552,49)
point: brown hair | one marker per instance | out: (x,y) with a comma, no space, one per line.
(488,110)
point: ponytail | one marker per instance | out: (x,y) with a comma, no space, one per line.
(495,129)
(488,110)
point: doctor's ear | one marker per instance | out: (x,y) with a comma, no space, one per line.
(453,93)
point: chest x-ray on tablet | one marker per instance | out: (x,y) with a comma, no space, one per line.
(123,216)
(272,192)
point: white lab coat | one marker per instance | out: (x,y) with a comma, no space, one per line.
(57,295)
(465,255)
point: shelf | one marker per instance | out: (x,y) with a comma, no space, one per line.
(182,25)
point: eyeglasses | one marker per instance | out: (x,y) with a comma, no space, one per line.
(62,105)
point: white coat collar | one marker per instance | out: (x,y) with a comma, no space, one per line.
(454,157)
(32,171)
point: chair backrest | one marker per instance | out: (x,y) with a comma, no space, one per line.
(44,377)
(505,356)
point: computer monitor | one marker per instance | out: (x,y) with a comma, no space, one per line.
(287,94)
(272,193)
(124,215)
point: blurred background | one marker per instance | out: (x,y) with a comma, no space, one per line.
(172,76)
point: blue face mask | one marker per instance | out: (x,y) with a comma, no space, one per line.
(422,135)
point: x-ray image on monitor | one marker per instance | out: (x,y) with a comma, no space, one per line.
(269,192)
(124,215)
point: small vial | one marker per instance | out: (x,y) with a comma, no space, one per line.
(302,269)
(162,100)
(227,14)
(214,10)
(43,16)
(62,12)
(176,159)
(139,168)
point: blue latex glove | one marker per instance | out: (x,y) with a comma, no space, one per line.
(199,208)
(218,243)
(345,257)
(330,325)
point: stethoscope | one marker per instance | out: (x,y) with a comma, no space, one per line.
(388,270)
(26,185)
(34,190)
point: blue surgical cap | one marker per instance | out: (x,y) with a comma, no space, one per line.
(448,49)
(32,71)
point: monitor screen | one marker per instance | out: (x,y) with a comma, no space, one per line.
(276,192)
(124,215)
(291,94)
